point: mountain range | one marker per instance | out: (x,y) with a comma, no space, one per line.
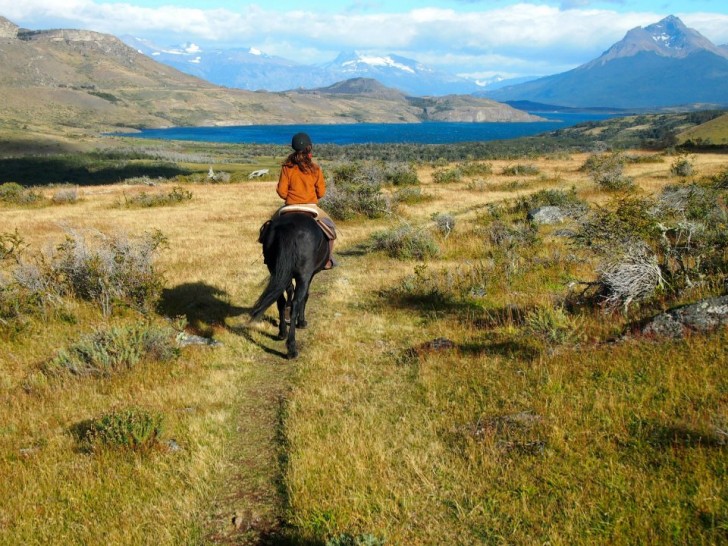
(75,78)
(662,65)
(250,68)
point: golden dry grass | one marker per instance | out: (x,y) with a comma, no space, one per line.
(360,434)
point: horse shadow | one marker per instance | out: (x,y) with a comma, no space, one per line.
(203,306)
(206,308)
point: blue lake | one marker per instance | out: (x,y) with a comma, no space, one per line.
(380,133)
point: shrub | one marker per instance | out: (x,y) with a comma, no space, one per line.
(405,242)
(345,204)
(118,270)
(106,352)
(174,197)
(474,168)
(401,174)
(509,236)
(14,193)
(447,176)
(607,171)
(633,276)
(520,170)
(65,195)
(682,166)
(131,428)
(568,201)
(720,180)
(444,223)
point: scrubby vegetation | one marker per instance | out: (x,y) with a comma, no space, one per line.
(484,377)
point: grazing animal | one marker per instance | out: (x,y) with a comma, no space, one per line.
(295,249)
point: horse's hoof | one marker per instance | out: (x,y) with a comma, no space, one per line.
(281,337)
(292,356)
(303,324)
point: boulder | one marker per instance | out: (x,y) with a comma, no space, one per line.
(546,215)
(701,317)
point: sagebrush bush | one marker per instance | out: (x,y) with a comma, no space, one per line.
(682,166)
(405,242)
(476,168)
(568,201)
(444,223)
(65,195)
(401,174)
(131,428)
(176,196)
(607,171)
(520,169)
(15,194)
(345,204)
(447,176)
(117,270)
(109,351)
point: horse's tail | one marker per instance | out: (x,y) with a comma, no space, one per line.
(280,279)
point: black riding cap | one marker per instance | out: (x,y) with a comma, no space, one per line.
(300,141)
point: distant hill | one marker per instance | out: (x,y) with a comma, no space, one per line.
(87,79)
(662,65)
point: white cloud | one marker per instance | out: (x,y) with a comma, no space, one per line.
(522,38)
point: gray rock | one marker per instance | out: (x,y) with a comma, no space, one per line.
(701,317)
(184,339)
(546,215)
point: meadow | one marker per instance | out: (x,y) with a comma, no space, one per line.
(464,378)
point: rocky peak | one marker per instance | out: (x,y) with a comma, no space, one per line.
(668,37)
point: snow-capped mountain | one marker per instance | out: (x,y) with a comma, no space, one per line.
(407,75)
(249,68)
(663,64)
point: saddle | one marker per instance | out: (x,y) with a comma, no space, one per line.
(326,224)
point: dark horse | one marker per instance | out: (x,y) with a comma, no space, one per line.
(295,249)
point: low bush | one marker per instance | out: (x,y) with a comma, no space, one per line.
(607,171)
(131,428)
(345,204)
(447,176)
(444,223)
(475,168)
(176,196)
(683,167)
(115,350)
(114,271)
(520,169)
(568,201)
(65,196)
(405,243)
(15,194)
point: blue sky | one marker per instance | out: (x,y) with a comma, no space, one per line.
(477,38)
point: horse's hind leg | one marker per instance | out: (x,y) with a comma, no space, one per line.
(282,323)
(299,302)
(301,322)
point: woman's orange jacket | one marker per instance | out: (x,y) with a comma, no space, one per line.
(298,188)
